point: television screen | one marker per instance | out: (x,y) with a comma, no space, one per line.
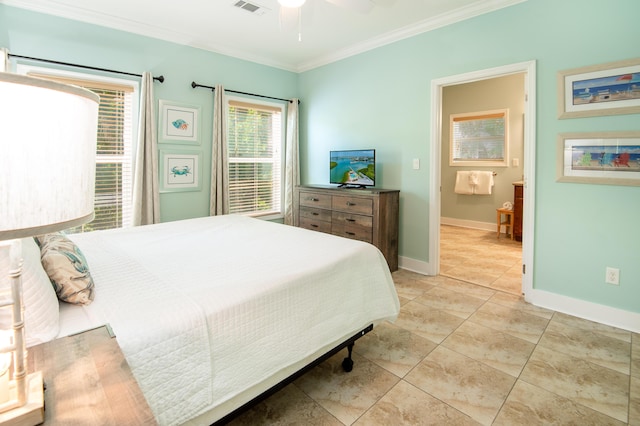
(353,168)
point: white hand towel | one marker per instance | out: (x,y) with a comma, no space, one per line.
(463,183)
(485,183)
(473,178)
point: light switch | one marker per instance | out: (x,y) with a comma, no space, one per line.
(416,164)
(515,162)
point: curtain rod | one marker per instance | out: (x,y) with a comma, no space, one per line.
(160,79)
(194,85)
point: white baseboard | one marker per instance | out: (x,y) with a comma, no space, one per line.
(413,265)
(473,224)
(603,314)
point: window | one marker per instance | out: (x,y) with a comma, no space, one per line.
(479,138)
(255,140)
(114,180)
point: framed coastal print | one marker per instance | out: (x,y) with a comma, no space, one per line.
(178,123)
(606,89)
(611,158)
(179,171)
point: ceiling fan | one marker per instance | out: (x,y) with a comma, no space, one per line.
(291,10)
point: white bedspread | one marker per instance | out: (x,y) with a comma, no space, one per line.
(205,308)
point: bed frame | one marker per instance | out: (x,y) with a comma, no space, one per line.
(347,365)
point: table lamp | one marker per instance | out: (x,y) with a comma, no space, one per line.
(47,183)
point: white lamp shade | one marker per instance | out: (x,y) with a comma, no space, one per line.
(47,155)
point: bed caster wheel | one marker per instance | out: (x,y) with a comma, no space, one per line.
(347,364)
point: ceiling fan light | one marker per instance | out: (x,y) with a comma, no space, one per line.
(291,3)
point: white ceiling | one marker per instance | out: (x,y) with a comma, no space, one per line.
(329,32)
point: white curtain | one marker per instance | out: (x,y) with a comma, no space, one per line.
(292,162)
(146,196)
(4,60)
(219,201)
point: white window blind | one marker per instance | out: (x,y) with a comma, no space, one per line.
(255,139)
(479,138)
(114,180)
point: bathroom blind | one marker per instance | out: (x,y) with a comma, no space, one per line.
(479,137)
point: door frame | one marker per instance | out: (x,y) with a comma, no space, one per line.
(437,85)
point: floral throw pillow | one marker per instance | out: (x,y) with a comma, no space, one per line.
(67,269)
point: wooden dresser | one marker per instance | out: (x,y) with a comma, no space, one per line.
(518,198)
(88,382)
(369,215)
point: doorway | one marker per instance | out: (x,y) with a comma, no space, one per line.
(437,86)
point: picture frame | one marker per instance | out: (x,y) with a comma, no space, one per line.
(606,89)
(179,171)
(178,123)
(609,158)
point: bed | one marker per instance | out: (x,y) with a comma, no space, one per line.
(212,312)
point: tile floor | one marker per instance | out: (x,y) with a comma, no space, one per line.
(480,257)
(467,354)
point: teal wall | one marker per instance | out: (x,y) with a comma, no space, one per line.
(42,36)
(381,99)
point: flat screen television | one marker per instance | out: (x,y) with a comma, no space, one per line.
(353,168)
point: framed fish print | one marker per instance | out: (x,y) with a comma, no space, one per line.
(610,158)
(605,89)
(179,171)
(179,124)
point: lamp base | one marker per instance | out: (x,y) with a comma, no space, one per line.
(32,413)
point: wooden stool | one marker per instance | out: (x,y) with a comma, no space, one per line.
(507,222)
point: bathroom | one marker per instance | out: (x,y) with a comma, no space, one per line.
(471,213)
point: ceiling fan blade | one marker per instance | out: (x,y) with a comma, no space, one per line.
(361,6)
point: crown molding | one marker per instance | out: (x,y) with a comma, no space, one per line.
(77,13)
(461,14)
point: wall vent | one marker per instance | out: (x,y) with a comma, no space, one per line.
(251,7)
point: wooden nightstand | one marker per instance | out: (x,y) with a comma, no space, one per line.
(88,381)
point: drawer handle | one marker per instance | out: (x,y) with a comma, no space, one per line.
(313,199)
(313,225)
(350,233)
(350,220)
(349,203)
(315,214)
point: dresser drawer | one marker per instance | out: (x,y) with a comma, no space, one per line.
(352,204)
(351,219)
(315,225)
(352,231)
(315,214)
(369,215)
(312,199)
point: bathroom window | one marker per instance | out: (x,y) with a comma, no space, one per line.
(479,138)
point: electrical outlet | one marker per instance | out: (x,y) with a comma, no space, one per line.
(612,276)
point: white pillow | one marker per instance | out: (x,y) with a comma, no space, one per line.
(41,309)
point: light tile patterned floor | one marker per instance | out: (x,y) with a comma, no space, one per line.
(480,257)
(466,354)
